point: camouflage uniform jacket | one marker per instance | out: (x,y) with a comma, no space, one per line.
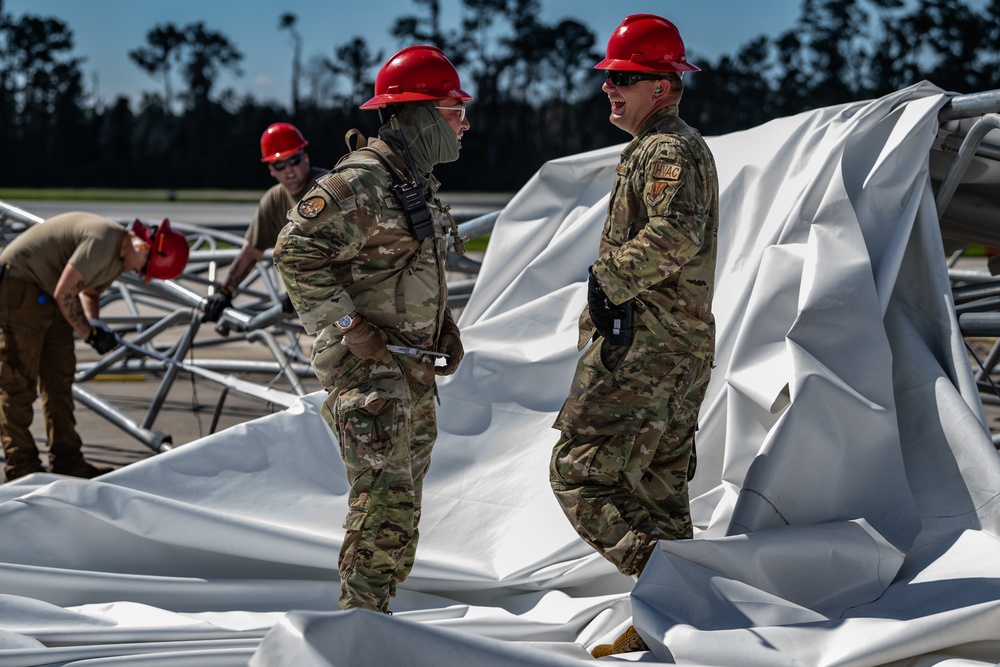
(348,247)
(659,241)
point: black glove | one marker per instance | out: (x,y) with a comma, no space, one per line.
(450,342)
(286,304)
(612,322)
(101,339)
(215,304)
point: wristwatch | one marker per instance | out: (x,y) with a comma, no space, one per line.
(346,322)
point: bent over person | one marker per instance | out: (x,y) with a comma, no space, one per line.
(363,260)
(51,279)
(283,150)
(621,467)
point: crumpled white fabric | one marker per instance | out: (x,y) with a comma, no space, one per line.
(845,498)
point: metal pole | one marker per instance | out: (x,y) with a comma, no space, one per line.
(965,154)
(279,354)
(170,372)
(155,440)
(970,106)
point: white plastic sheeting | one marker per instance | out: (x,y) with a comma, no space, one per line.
(845,497)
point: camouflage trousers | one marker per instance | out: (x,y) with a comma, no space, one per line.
(384,418)
(621,467)
(36,357)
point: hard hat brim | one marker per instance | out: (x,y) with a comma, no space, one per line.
(383,100)
(284,154)
(620,65)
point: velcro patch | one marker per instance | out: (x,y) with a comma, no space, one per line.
(310,208)
(342,190)
(663,171)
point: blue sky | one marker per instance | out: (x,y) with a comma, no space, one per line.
(105,30)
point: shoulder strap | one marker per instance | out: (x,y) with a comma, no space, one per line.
(358,138)
(392,163)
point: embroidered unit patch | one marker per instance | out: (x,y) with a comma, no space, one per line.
(310,208)
(655,192)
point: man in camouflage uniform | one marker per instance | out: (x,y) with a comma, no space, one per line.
(621,467)
(283,150)
(363,260)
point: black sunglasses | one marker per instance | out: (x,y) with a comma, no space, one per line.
(152,249)
(619,78)
(293,161)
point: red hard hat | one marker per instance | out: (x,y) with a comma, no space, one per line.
(416,73)
(646,43)
(279,141)
(168,251)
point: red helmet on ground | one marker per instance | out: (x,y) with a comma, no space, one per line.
(416,73)
(646,43)
(168,251)
(279,141)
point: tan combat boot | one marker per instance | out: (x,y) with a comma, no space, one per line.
(628,642)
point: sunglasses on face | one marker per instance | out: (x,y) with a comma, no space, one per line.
(628,78)
(293,161)
(150,247)
(459,109)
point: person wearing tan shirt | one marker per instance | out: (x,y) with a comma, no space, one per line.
(51,279)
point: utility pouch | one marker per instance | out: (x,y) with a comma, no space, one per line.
(415,208)
(622,329)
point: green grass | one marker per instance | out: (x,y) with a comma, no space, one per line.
(977,251)
(477,244)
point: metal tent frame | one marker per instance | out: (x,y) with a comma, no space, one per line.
(160,322)
(974,139)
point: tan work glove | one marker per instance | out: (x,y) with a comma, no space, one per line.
(450,342)
(367,341)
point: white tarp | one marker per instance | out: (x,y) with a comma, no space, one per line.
(845,497)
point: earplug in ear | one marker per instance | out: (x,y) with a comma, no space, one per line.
(658,90)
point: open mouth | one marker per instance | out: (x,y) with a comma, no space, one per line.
(617,107)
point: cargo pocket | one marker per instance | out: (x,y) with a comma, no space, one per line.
(356,513)
(597,441)
(368,425)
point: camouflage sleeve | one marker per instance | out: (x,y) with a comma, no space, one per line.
(672,195)
(329,226)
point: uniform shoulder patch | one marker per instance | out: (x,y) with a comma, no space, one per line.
(342,188)
(311,207)
(666,171)
(661,192)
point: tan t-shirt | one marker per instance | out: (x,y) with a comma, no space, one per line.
(272,212)
(91,243)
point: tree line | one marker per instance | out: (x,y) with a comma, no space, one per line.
(537,96)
